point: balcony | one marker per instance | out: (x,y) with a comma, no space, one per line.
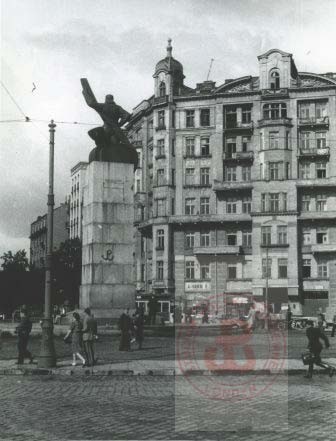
(314,122)
(312,215)
(280,121)
(275,93)
(159,100)
(323,248)
(239,157)
(209,218)
(316,183)
(274,245)
(314,153)
(162,182)
(222,250)
(229,186)
(238,125)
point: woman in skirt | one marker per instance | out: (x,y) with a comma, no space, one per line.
(75,331)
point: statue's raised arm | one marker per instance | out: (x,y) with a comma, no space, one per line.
(87,93)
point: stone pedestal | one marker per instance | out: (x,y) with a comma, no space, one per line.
(108,246)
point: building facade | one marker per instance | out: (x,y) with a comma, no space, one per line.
(236,189)
(38,234)
(76,200)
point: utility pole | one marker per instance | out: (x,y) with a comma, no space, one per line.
(47,358)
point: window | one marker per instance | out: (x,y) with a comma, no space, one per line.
(190,270)
(275,111)
(190,206)
(246,173)
(205,117)
(261,141)
(246,114)
(320,110)
(162,89)
(247,239)
(282,268)
(159,269)
(142,274)
(306,237)
(264,206)
(173,118)
(232,272)
(160,239)
(230,148)
(321,170)
(304,110)
(161,147)
(205,146)
(274,202)
(230,117)
(173,177)
(288,143)
(266,268)
(231,174)
(231,205)
(205,238)
(142,245)
(173,147)
(205,271)
(305,202)
(138,186)
(266,235)
(321,140)
(321,202)
(161,207)
(282,235)
(172,206)
(322,270)
(189,240)
(288,170)
(306,268)
(190,146)
(205,205)
(190,118)
(160,176)
(274,79)
(205,176)
(150,130)
(246,143)
(247,204)
(322,235)
(231,239)
(284,201)
(305,140)
(161,119)
(190,176)
(304,170)
(274,170)
(274,140)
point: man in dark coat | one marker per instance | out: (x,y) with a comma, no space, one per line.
(153,306)
(315,335)
(23,331)
(89,335)
(125,326)
(138,324)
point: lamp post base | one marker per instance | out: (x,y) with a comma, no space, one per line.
(47,357)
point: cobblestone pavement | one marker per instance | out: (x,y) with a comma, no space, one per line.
(162,347)
(162,408)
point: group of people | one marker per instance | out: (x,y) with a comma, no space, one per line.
(132,329)
(83,334)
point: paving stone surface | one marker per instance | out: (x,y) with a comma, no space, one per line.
(139,408)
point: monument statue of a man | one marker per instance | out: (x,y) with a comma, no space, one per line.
(111,141)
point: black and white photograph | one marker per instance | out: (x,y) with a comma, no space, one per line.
(168,220)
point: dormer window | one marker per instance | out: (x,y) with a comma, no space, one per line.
(162,89)
(274,79)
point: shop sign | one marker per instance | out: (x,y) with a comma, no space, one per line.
(197,286)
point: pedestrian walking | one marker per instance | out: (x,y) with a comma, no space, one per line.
(315,335)
(153,307)
(333,326)
(23,331)
(89,335)
(138,324)
(125,326)
(75,331)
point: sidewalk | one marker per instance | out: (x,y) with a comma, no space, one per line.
(163,367)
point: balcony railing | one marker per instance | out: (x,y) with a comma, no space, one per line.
(321,121)
(237,125)
(305,153)
(239,156)
(223,249)
(229,186)
(323,248)
(161,100)
(274,93)
(280,121)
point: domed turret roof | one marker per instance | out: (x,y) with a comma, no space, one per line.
(169,64)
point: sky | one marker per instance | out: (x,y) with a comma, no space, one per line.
(116,44)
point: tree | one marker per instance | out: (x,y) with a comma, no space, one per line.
(67,270)
(17,262)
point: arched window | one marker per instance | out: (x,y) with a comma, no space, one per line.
(162,89)
(274,79)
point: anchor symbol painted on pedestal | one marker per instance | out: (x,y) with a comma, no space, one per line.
(109,256)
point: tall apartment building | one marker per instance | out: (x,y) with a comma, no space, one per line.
(76,199)
(236,188)
(38,234)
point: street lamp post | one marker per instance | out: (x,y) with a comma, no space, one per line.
(266,292)
(47,356)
